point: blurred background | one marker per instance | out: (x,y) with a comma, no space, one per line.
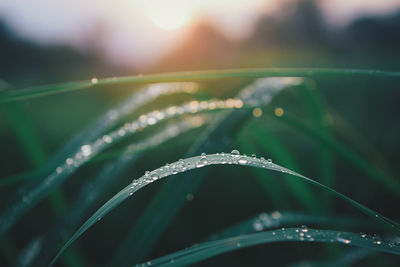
(84,38)
(47,41)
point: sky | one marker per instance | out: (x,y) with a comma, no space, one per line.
(139,32)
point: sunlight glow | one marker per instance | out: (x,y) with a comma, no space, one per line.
(168,15)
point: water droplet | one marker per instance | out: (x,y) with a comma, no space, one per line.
(69,161)
(363,235)
(202,162)
(59,170)
(86,150)
(253,156)
(258,226)
(107,139)
(378,242)
(203,155)
(304,228)
(276,215)
(94,80)
(242,160)
(344,241)
(269,160)
(235,153)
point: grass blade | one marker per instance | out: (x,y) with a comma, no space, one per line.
(206,160)
(191,76)
(93,189)
(346,153)
(276,219)
(213,248)
(172,196)
(39,191)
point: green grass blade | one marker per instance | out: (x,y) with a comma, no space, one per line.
(108,120)
(172,196)
(316,106)
(273,190)
(33,196)
(213,248)
(278,151)
(192,76)
(93,189)
(265,221)
(207,160)
(346,153)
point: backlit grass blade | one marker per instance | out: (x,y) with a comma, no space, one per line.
(277,150)
(93,189)
(109,119)
(33,196)
(215,159)
(210,249)
(317,111)
(192,76)
(346,153)
(172,196)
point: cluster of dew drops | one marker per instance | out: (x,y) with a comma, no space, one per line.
(198,162)
(266,221)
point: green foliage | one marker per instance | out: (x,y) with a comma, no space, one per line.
(187,118)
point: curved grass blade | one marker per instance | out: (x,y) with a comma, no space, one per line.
(171,197)
(346,153)
(206,160)
(317,111)
(109,119)
(268,142)
(32,197)
(93,189)
(7,96)
(276,219)
(210,249)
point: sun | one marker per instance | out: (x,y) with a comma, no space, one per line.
(168,15)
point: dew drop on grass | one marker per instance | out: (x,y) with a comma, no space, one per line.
(94,80)
(235,153)
(202,162)
(86,150)
(363,235)
(107,139)
(242,160)
(276,215)
(69,161)
(304,228)
(344,241)
(258,226)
